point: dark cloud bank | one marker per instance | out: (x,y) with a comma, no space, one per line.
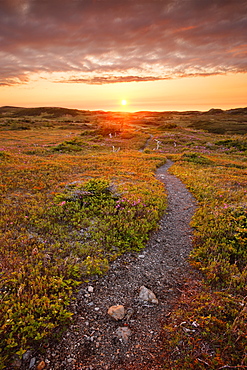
(109,41)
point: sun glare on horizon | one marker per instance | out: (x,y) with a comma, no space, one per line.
(124,102)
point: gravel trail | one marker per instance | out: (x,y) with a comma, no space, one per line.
(92,342)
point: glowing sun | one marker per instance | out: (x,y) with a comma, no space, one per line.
(124,102)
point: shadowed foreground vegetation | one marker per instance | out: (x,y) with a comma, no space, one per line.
(78,189)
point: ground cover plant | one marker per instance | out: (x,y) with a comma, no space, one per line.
(77,189)
(208,327)
(68,208)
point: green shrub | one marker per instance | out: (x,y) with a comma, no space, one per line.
(196,158)
(240,145)
(74,145)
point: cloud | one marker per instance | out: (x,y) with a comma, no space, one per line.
(109,41)
(100,80)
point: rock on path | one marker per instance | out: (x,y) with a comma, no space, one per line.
(94,340)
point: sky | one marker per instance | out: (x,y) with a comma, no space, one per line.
(155,54)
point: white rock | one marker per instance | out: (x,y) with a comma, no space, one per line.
(70,359)
(147,295)
(90,289)
(123,333)
(27,355)
(32,362)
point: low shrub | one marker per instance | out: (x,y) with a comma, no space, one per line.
(196,158)
(240,145)
(64,217)
(208,327)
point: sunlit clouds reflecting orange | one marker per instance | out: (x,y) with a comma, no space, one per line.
(155,55)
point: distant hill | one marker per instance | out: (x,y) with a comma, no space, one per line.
(229,111)
(52,112)
(237,111)
(59,112)
(218,121)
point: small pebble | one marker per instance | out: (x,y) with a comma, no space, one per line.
(117,312)
(41,365)
(70,360)
(123,333)
(32,362)
(27,355)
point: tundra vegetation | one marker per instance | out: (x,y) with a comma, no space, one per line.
(78,189)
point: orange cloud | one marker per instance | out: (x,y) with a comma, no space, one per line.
(141,40)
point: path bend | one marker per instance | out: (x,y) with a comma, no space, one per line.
(91,342)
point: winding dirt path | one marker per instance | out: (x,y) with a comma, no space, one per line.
(91,342)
